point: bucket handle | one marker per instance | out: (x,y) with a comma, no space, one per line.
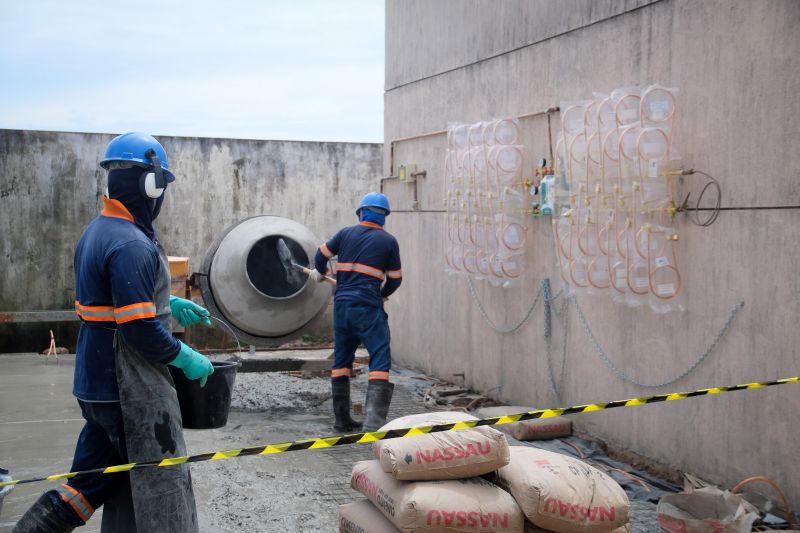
(237,359)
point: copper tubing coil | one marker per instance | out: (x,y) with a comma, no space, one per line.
(560,240)
(651,272)
(493,261)
(566,125)
(612,274)
(589,271)
(470,254)
(496,124)
(572,274)
(640,145)
(559,252)
(617,109)
(483,261)
(631,269)
(640,234)
(511,275)
(643,108)
(504,239)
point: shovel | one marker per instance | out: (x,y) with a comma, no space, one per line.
(288,262)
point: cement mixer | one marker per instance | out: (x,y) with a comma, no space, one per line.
(244,282)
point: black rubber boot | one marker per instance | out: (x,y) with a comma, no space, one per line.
(341,407)
(379,396)
(42,517)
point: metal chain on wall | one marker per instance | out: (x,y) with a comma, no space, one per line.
(563,313)
(489,321)
(624,377)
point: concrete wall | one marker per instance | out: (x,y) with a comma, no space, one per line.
(738,71)
(50,188)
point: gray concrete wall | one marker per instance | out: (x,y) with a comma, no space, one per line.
(738,71)
(51,187)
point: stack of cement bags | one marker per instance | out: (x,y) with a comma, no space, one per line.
(435,483)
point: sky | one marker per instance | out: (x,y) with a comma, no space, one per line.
(251,69)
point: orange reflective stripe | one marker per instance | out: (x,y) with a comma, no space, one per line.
(394,274)
(339,372)
(115,209)
(134,312)
(361,269)
(379,374)
(94,307)
(77,501)
(325,250)
(137,316)
(94,313)
(370,225)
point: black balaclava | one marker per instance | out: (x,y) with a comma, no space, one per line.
(123,185)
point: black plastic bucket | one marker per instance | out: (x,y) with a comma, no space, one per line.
(206,407)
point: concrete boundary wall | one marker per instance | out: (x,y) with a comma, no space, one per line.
(51,187)
(738,71)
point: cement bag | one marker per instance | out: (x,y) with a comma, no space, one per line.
(536,429)
(422,419)
(532,528)
(465,505)
(363,517)
(446,455)
(705,510)
(561,493)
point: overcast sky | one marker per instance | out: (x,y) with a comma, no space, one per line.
(260,69)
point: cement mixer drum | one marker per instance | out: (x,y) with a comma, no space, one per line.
(244,282)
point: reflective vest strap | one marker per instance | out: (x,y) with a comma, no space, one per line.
(77,501)
(361,269)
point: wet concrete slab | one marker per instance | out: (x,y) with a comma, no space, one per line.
(296,491)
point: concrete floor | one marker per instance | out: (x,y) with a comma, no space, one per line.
(295,491)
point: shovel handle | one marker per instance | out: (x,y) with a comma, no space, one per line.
(326,279)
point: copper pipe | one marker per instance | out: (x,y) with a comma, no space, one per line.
(549,111)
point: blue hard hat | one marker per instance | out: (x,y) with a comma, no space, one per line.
(132,147)
(374,199)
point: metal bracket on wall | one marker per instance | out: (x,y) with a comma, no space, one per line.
(407,177)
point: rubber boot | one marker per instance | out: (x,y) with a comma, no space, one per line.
(341,407)
(42,517)
(379,396)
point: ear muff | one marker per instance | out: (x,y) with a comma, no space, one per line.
(152,184)
(148,186)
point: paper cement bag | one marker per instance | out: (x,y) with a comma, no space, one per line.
(705,510)
(536,429)
(466,505)
(445,455)
(533,528)
(560,493)
(363,517)
(422,419)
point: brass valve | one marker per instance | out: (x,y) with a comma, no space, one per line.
(672,209)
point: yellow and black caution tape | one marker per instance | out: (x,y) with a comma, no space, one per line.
(358,438)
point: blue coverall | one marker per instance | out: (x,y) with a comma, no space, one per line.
(368,270)
(116,265)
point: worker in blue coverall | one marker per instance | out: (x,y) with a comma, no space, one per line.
(122,384)
(367,272)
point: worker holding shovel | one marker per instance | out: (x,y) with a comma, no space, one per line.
(367,272)
(122,382)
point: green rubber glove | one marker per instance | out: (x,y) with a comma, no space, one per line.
(194,365)
(187,312)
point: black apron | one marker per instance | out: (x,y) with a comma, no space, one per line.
(163,499)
